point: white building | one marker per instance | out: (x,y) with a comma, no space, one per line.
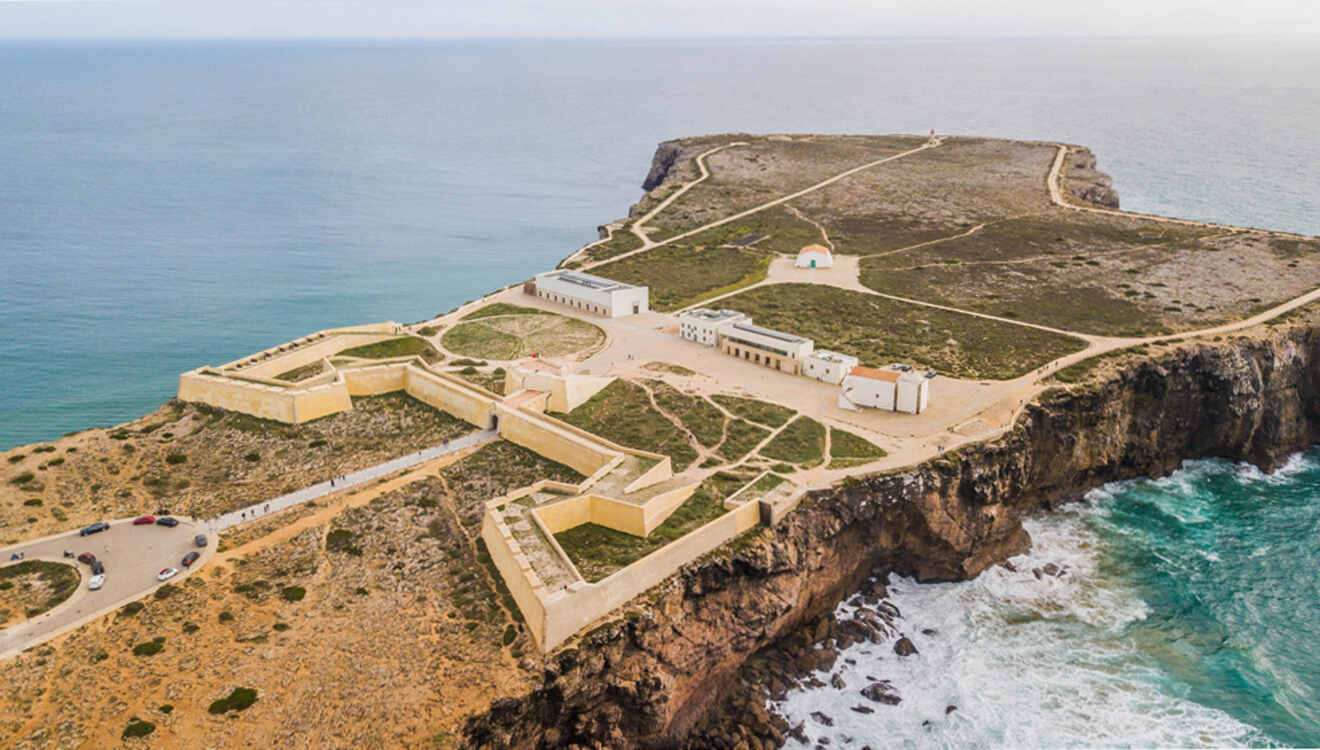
(828,366)
(588,293)
(913,393)
(765,346)
(703,325)
(815,256)
(892,390)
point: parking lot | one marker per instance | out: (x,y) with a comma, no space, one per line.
(132,555)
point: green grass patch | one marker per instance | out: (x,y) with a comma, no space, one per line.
(845,445)
(697,414)
(742,438)
(623,241)
(59,579)
(761,412)
(598,551)
(504,308)
(293,593)
(878,331)
(302,373)
(681,275)
(403,346)
(622,412)
(802,442)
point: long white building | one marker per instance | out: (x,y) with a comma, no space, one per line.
(765,346)
(593,294)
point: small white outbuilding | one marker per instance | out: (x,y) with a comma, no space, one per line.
(889,389)
(827,366)
(815,256)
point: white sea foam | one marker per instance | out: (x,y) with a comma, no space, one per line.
(1029,662)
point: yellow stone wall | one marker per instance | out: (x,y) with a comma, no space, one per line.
(450,395)
(546,436)
(267,402)
(568,611)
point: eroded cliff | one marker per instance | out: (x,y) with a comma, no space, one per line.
(652,676)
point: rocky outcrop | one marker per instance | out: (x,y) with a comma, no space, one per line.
(1088,185)
(666,156)
(650,678)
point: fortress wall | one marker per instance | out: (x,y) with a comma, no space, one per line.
(449,395)
(545,436)
(262,401)
(514,568)
(660,507)
(663,471)
(320,401)
(568,611)
(372,381)
(306,354)
(577,389)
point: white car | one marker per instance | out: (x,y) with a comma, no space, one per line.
(96,581)
(167,574)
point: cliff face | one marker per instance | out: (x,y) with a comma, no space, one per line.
(1087,184)
(666,155)
(644,680)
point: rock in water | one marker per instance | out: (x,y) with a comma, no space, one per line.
(904,647)
(822,718)
(881,692)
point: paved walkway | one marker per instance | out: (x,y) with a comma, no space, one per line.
(329,487)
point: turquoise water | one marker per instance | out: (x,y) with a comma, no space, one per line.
(167,205)
(1186,618)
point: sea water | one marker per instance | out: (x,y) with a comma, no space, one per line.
(167,205)
(1186,617)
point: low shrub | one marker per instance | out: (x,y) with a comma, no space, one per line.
(16,458)
(510,633)
(130,609)
(23,478)
(175,459)
(252,457)
(226,616)
(237,700)
(138,728)
(150,648)
(293,593)
(32,501)
(166,709)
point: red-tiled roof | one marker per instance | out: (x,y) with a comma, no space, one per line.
(890,376)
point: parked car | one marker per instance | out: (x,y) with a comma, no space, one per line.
(86,558)
(95,528)
(167,521)
(96,581)
(200,540)
(143,520)
(167,574)
(98,567)
(190,558)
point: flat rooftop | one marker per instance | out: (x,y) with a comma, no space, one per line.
(787,338)
(712,316)
(830,356)
(586,281)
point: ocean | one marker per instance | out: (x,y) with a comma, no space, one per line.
(165,205)
(1185,618)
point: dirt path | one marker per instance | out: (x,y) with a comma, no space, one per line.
(935,143)
(823,234)
(638,227)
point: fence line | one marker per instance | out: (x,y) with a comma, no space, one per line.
(331,486)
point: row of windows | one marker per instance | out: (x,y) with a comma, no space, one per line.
(571,302)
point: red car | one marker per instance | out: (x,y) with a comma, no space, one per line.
(86,558)
(143,520)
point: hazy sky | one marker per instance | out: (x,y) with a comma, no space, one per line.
(478,18)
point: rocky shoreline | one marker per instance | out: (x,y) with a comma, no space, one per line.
(693,664)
